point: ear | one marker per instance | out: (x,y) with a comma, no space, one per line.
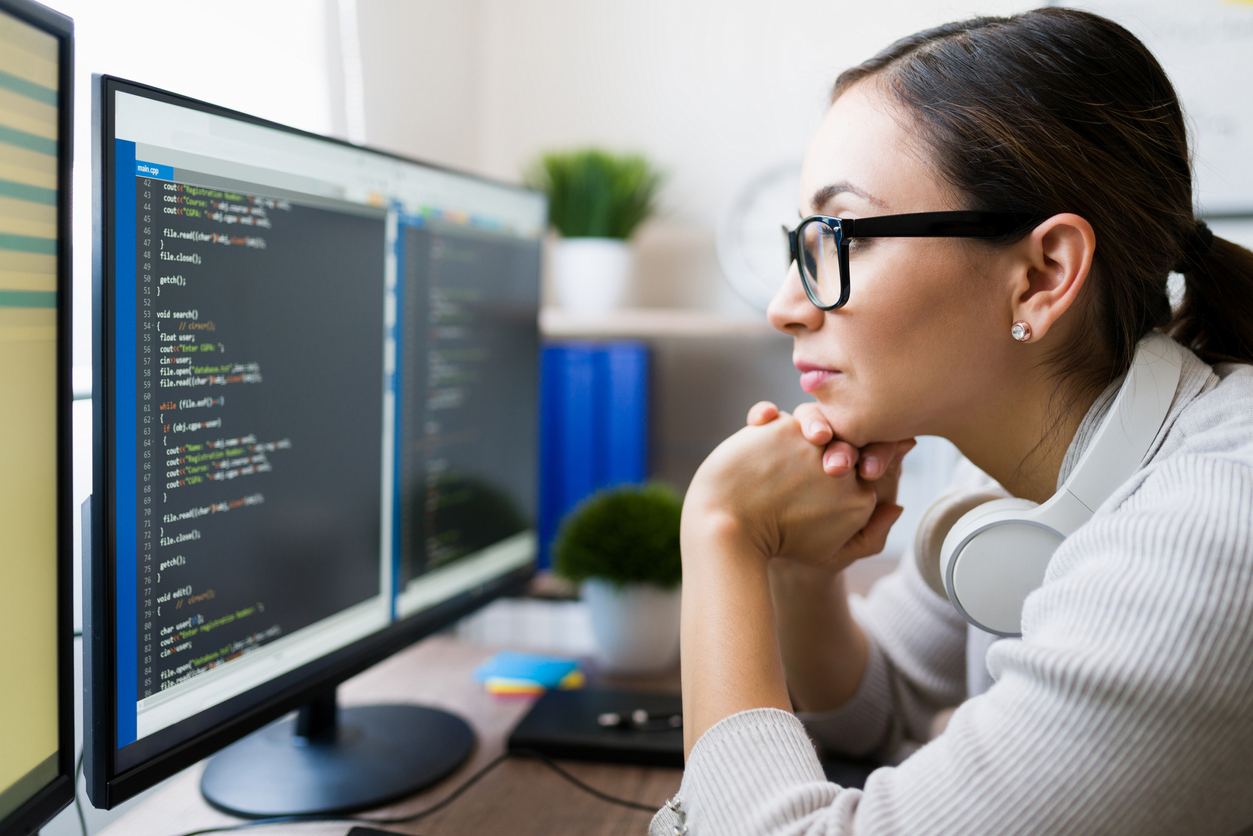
(1057,257)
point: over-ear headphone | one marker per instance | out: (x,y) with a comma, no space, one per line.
(994,553)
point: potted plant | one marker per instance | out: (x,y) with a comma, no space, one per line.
(622,545)
(596,200)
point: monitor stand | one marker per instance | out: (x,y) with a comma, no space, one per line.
(329,760)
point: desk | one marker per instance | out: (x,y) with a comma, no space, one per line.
(518,798)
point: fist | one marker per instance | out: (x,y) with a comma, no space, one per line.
(768,484)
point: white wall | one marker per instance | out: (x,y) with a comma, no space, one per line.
(713,91)
(264,57)
(420,62)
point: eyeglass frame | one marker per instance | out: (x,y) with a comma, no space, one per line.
(959,224)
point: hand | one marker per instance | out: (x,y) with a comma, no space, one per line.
(766,485)
(878,463)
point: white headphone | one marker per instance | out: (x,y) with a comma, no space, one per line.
(994,553)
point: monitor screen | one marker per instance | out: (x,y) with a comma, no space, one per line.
(35,700)
(317,435)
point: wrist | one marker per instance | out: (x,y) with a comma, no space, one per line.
(796,575)
(714,530)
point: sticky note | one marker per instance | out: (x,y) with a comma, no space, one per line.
(541,671)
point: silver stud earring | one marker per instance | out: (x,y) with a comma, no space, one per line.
(1021,331)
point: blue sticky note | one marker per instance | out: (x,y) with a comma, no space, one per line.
(547,671)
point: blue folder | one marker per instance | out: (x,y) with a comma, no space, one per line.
(593,425)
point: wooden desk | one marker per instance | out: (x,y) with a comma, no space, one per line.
(517,798)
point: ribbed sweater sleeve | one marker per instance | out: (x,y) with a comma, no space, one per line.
(916,665)
(1125,708)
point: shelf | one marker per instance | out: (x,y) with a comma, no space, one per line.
(652,323)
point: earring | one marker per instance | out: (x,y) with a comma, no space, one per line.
(1021,331)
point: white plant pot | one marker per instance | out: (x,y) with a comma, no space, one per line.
(636,626)
(591,275)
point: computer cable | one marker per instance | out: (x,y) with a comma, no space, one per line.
(440,805)
(78,801)
(78,774)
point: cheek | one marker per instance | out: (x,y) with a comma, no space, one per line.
(916,323)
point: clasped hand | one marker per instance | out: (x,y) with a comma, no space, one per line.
(788,487)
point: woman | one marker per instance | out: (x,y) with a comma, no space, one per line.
(1127,704)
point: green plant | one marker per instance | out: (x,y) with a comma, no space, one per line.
(626,534)
(595,194)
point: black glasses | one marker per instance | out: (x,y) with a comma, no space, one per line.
(819,245)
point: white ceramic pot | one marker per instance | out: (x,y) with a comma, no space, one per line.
(591,275)
(636,626)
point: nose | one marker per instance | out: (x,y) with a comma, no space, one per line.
(790,310)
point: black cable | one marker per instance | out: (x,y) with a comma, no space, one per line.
(78,774)
(78,802)
(448,799)
(516,753)
(271,821)
(451,797)
(590,790)
(440,805)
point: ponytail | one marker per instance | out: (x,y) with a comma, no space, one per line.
(1215,319)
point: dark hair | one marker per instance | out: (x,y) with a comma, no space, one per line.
(1057,110)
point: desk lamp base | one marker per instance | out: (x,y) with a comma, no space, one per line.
(331,761)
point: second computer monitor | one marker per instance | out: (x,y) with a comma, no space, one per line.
(36,625)
(315,416)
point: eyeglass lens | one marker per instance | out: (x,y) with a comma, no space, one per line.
(820,261)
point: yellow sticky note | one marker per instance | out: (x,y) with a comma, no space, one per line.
(572,681)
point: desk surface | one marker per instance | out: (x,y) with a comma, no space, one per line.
(518,797)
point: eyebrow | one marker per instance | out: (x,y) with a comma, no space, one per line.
(827,192)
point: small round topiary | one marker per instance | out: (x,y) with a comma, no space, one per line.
(626,534)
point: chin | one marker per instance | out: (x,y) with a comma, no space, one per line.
(860,427)
(848,424)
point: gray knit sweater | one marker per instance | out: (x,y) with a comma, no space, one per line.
(1126,706)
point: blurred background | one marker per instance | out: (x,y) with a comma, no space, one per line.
(722,96)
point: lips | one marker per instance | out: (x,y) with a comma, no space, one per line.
(814,377)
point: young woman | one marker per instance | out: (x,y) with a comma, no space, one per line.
(1127,704)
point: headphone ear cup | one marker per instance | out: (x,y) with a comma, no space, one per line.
(935,525)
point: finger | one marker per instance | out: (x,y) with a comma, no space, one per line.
(886,485)
(762,412)
(873,537)
(895,466)
(877,457)
(839,458)
(814,426)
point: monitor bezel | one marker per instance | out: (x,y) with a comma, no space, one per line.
(108,785)
(56,795)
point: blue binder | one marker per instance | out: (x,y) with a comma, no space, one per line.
(593,425)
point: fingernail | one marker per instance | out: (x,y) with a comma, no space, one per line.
(816,427)
(873,466)
(838,460)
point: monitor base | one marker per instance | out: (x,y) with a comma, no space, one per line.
(330,761)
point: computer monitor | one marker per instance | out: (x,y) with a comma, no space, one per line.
(36,619)
(316,420)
